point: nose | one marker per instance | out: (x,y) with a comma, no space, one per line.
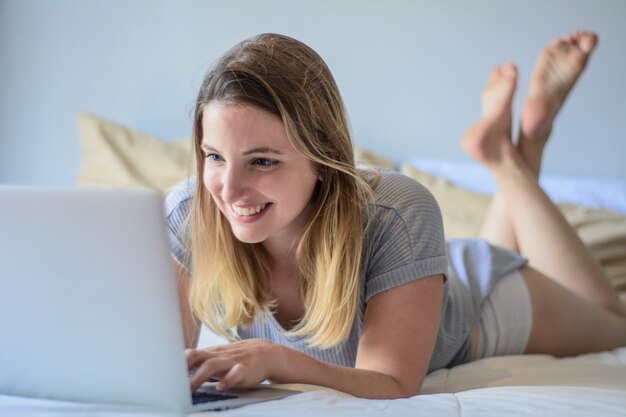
(233,184)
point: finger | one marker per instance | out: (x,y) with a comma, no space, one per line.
(233,378)
(209,369)
(195,357)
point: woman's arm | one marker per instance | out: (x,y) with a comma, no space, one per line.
(191,326)
(397,340)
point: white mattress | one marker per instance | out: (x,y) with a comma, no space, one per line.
(591,385)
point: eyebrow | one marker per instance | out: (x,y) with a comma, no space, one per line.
(261,149)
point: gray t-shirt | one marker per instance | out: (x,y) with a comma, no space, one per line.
(403,242)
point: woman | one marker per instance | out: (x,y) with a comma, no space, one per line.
(332,276)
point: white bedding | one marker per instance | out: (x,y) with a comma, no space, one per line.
(604,193)
(592,385)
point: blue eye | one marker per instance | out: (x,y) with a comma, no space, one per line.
(265,163)
(213,157)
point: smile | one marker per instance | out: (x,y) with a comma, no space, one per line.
(248,211)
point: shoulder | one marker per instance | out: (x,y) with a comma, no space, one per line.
(404,196)
(178,205)
(404,237)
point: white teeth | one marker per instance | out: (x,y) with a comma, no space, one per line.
(248,211)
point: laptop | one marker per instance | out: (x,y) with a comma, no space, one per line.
(89,309)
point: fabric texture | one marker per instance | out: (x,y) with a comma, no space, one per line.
(403,242)
(506,319)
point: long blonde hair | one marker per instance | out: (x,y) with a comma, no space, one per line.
(229,279)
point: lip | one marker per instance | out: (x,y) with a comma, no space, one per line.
(251,218)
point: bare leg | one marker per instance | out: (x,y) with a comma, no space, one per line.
(558,67)
(556,71)
(497,227)
(575,310)
(542,233)
(566,324)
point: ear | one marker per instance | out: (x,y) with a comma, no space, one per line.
(320,173)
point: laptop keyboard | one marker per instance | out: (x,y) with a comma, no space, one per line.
(200,397)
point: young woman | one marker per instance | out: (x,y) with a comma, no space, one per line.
(328,275)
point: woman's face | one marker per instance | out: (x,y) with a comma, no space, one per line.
(260,183)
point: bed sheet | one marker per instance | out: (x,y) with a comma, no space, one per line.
(591,385)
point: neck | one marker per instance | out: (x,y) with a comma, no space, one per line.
(280,250)
(282,245)
(281,256)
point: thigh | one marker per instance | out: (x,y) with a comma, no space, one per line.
(566,324)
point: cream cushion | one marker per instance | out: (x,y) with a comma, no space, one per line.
(113,155)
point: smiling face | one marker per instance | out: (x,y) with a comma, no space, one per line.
(260,183)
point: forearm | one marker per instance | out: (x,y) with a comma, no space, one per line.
(296,367)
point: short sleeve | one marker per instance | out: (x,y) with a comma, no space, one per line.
(404,240)
(178,205)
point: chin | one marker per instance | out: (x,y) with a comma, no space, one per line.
(248,237)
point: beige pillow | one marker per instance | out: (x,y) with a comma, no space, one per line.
(364,156)
(116,156)
(603,231)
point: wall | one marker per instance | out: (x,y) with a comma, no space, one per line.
(410,71)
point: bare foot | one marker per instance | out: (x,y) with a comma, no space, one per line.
(557,68)
(490,138)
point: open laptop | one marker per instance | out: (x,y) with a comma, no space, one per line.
(89,309)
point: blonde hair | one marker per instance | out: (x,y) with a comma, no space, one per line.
(229,279)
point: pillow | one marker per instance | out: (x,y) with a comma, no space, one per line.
(605,193)
(116,156)
(603,231)
(365,157)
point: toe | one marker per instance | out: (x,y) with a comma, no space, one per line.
(588,42)
(509,69)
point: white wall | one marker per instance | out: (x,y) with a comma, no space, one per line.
(410,71)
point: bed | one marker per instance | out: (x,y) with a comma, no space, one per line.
(527,385)
(539,385)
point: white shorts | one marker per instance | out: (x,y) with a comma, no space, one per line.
(506,319)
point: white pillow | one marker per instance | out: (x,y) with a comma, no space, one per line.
(604,193)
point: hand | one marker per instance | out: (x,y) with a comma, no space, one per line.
(241,364)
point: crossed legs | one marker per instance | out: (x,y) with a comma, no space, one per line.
(575,310)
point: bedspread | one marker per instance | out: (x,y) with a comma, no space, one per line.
(537,385)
